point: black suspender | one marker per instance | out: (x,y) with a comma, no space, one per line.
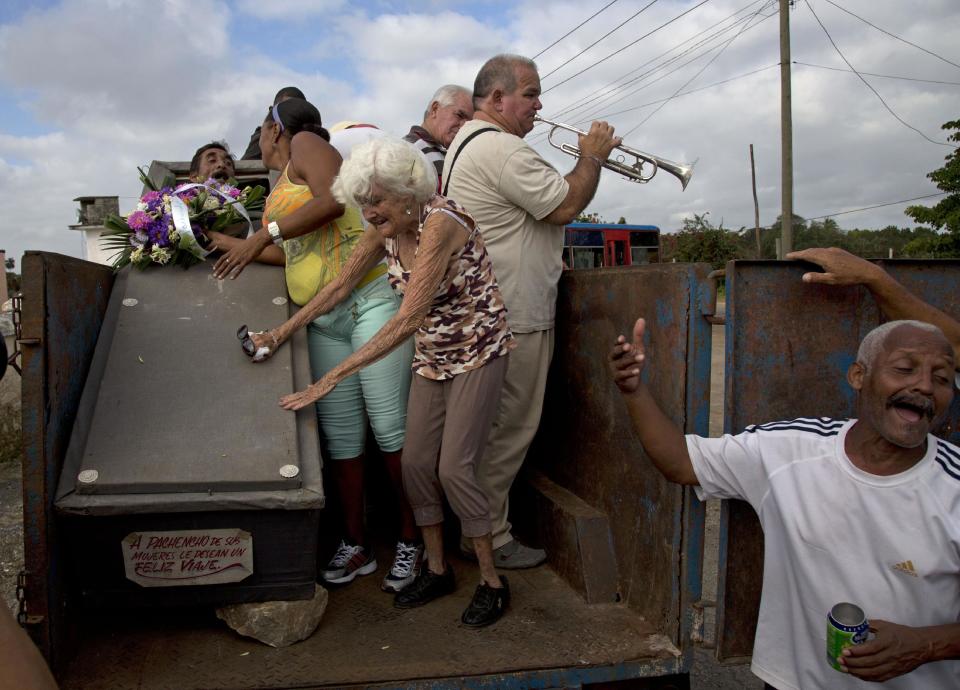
(446,182)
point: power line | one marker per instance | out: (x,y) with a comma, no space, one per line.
(699,72)
(616,28)
(891,35)
(574,28)
(577,103)
(593,99)
(867,208)
(869,86)
(649,33)
(687,93)
(633,92)
(884,76)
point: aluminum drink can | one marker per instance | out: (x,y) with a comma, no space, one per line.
(846,626)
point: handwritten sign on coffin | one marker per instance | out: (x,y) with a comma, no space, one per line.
(188,557)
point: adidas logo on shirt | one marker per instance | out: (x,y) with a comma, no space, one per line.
(906,567)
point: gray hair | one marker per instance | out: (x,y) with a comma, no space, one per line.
(500,70)
(872,343)
(447,95)
(392,164)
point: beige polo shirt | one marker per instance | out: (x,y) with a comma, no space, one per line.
(507,186)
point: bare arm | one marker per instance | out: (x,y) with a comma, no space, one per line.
(842,268)
(313,162)
(271,255)
(440,238)
(368,252)
(663,442)
(595,147)
(21,664)
(899,649)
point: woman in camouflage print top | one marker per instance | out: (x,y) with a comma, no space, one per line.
(453,308)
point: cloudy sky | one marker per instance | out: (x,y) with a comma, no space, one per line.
(89,89)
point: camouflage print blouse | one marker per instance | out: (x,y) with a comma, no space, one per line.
(466,326)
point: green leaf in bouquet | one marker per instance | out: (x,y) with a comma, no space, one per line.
(146,181)
(116,224)
(254,200)
(223,220)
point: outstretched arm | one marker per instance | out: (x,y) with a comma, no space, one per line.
(440,238)
(312,161)
(898,649)
(843,268)
(663,442)
(271,255)
(368,252)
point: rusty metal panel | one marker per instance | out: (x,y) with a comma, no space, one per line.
(586,444)
(64,300)
(789,345)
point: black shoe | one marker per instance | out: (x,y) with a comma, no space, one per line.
(488,605)
(425,588)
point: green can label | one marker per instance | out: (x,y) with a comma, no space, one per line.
(846,626)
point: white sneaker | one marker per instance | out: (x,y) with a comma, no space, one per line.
(406,567)
(349,561)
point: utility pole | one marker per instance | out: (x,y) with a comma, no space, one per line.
(756,206)
(786,134)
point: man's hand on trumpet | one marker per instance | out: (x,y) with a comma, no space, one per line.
(598,142)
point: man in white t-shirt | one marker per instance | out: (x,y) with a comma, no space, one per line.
(865,511)
(521,204)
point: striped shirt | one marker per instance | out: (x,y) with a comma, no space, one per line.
(429,147)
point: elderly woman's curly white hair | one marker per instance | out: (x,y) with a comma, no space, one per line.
(393,164)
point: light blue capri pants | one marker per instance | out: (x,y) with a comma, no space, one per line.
(378,391)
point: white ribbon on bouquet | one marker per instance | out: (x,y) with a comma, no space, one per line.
(181,218)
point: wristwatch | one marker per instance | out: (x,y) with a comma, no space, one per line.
(274,230)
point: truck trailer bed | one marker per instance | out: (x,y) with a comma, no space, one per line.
(549,636)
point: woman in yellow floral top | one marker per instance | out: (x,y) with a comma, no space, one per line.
(315,235)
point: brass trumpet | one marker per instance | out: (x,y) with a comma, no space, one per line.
(632,171)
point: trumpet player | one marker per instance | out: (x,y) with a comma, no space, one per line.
(522,205)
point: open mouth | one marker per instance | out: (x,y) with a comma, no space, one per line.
(221,175)
(911,410)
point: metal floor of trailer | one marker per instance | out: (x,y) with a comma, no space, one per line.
(364,640)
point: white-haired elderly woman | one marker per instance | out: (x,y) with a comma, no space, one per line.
(452,306)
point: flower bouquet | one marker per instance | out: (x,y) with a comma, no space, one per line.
(169,225)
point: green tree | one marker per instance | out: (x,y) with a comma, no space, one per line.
(700,240)
(769,236)
(587,217)
(944,216)
(819,233)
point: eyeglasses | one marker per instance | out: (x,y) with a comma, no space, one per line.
(276,116)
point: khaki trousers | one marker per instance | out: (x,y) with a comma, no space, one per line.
(447,427)
(521,403)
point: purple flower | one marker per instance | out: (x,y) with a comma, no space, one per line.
(138,220)
(150,197)
(158,230)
